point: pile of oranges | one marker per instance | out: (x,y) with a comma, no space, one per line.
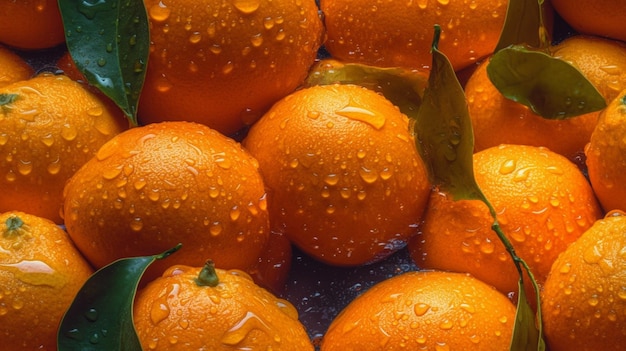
(238,160)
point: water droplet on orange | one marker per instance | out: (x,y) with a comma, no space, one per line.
(247,6)
(356,113)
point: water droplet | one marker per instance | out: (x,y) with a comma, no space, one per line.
(215,229)
(195,37)
(331,179)
(368,175)
(68,132)
(420,309)
(228,67)
(36,273)
(101,62)
(91,315)
(24,167)
(246,6)
(376,120)
(136,224)
(159,12)
(237,333)
(507,167)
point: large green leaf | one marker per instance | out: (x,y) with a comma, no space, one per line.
(445,140)
(549,86)
(401,86)
(109,43)
(101,315)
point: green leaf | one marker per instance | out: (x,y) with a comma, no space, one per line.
(549,86)
(109,43)
(101,315)
(524,25)
(526,337)
(444,131)
(402,87)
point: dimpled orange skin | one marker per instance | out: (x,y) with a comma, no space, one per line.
(345,181)
(31,24)
(155,186)
(425,310)
(400,33)
(497,120)
(174,313)
(596,17)
(606,156)
(40,273)
(224,63)
(543,203)
(584,297)
(13,68)
(50,129)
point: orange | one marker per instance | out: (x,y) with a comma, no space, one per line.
(198,309)
(224,64)
(40,273)
(606,156)
(31,24)
(584,297)
(543,203)
(49,127)
(345,182)
(13,68)
(497,120)
(425,310)
(400,33)
(152,187)
(597,17)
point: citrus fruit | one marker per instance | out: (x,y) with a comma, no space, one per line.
(497,120)
(345,181)
(543,203)
(400,33)
(425,310)
(191,308)
(606,158)
(31,24)
(152,187)
(584,296)
(40,273)
(597,17)
(13,68)
(225,63)
(49,127)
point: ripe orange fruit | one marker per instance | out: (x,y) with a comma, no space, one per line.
(606,158)
(597,17)
(227,61)
(497,120)
(31,24)
(345,181)
(584,297)
(197,309)
(40,273)
(543,203)
(425,310)
(155,186)
(49,127)
(400,33)
(13,68)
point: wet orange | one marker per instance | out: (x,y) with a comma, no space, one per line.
(584,297)
(498,120)
(152,187)
(40,273)
(400,33)
(224,64)
(49,127)
(596,17)
(345,182)
(13,68)
(31,24)
(606,156)
(543,203)
(177,311)
(425,310)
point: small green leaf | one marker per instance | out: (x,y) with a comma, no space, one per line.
(524,24)
(526,337)
(444,130)
(109,43)
(101,315)
(549,86)
(402,87)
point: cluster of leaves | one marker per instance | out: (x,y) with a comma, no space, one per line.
(109,42)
